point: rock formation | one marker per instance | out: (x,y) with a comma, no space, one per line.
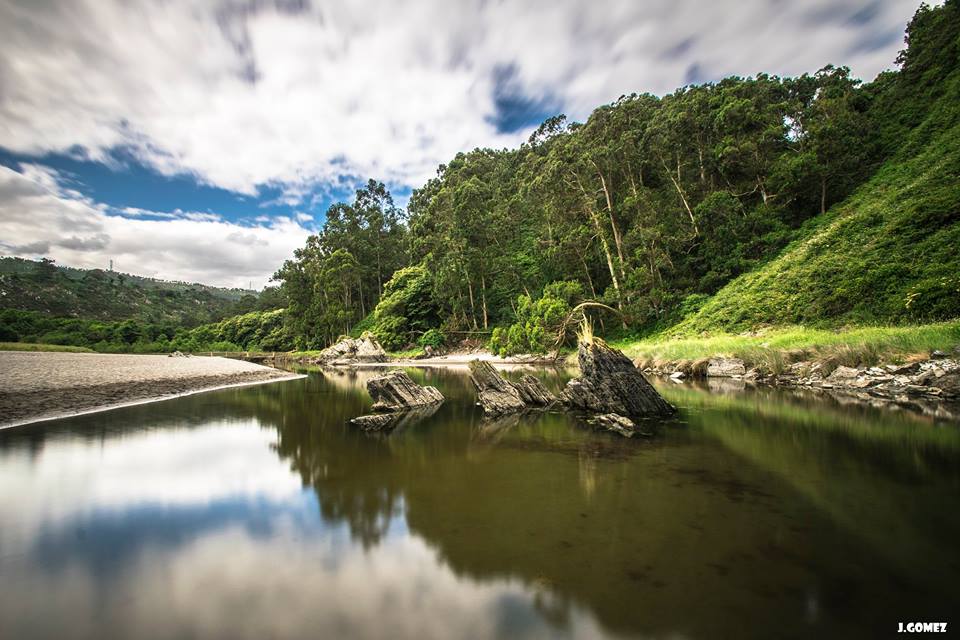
(350,351)
(499,396)
(397,401)
(610,383)
(396,391)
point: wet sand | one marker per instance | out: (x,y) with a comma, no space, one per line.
(41,386)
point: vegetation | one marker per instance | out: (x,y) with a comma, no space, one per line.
(45,287)
(254,331)
(720,207)
(775,348)
(33,346)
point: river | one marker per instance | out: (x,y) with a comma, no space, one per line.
(259,512)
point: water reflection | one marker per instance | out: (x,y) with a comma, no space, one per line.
(260,512)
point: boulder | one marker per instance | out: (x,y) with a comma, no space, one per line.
(725,367)
(610,383)
(499,396)
(348,351)
(843,374)
(396,391)
(618,424)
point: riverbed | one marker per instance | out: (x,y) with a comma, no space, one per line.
(259,512)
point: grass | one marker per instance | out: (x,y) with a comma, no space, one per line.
(32,346)
(776,348)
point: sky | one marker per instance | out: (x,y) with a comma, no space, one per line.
(203,140)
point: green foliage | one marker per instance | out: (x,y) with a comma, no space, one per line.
(255,331)
(338,277)
(538,321)
(433,338)
(406,308)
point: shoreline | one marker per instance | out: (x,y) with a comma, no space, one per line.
(43,386)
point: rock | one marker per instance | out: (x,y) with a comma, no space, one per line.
(533,392)
(907,369)
(396,391)
(350,351)
(611,384)
(936,354)
(498,396)
(375,421)
(618,424)
(843,374)
(394,421)
(725,367)
(678,375)
(949,384)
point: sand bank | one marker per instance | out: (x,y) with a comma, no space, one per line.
(42,386)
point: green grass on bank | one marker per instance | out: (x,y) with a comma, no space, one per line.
(31,346)
(776,348)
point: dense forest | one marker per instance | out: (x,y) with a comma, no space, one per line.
(654,204)
(817,200)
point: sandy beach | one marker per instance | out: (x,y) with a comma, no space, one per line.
(40,386)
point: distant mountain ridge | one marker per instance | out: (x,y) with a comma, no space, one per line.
(56,290)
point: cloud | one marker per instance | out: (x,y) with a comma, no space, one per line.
(39,217)
(246,94)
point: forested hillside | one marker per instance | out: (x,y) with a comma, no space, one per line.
(654,204)
(55,290)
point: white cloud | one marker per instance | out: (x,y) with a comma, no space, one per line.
(244,94)
(40,217)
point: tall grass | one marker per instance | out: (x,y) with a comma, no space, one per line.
(777,348)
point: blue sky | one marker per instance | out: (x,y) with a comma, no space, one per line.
(204,140)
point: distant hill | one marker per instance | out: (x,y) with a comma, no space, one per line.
(43,286)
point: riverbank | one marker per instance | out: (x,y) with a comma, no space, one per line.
(38,386)
(775,349)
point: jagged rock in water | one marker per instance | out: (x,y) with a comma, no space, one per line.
(533,392)
(353,350)
(618,424)
(611,384)
(494,392)
(395,420)
(725,367)
(396,391)
(498,396)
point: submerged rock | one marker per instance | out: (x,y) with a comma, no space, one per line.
(353,350)
(396,391)
(618,424)
(395,420)
(498,396)
(612,384)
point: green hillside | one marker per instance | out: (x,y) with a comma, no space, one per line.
(53,290)
(890,253)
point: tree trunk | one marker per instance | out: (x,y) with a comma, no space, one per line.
(613,222)
(483,299)
(473,310)
(683,197)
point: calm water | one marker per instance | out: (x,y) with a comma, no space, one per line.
(258,512)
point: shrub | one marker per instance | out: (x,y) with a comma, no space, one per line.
(433,338)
